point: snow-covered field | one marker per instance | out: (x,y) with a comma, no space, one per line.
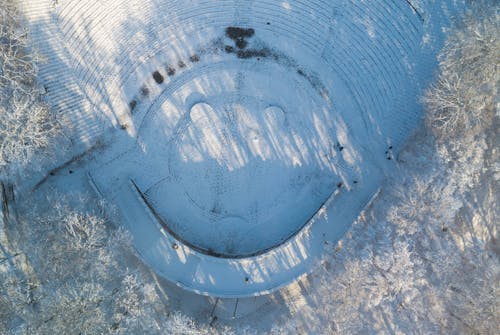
(239,138)
(237,142)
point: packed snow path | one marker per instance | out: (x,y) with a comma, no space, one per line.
(242,137)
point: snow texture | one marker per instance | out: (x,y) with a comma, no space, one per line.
(239,138)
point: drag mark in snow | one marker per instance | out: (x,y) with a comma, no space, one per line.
(415,10)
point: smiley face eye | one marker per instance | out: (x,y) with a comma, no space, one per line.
(275,114)
(199,111)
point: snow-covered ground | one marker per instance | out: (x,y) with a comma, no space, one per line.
(253,130)
(422,258)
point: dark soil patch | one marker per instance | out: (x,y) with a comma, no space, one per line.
(181,64)
(144,91)
(158,77)
(250,53)
(245,54)
(194,58)
(235,33)
(170,71)
(239,36)
(132,104)
(241,43)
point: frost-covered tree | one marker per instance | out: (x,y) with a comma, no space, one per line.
(424,258)
(465,97)
(75,273)
(27,126)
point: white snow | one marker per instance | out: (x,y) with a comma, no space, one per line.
(262,153)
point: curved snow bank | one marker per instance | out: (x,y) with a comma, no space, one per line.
(253,132)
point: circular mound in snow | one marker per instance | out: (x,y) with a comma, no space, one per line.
(248,135)
(239,169)
(242,168)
